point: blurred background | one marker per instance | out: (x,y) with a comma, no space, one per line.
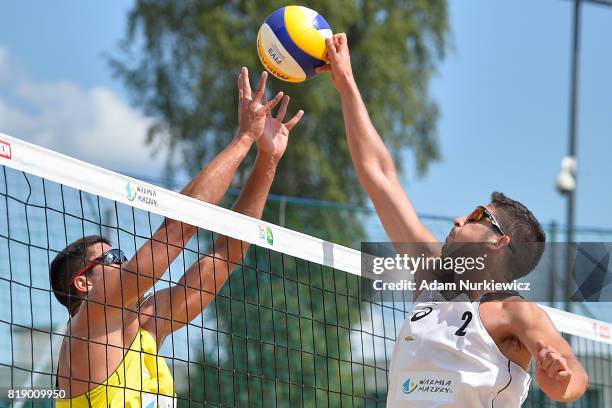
(496,105)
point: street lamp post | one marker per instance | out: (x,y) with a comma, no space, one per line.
(571,160)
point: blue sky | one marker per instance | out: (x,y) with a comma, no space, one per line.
(503,93)
(504,99)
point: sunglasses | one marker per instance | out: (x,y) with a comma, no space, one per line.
(481,212)
(112,257)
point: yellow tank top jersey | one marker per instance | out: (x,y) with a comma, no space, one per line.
(142,380)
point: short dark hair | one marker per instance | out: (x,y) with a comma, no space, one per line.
(66,264)
(524,230)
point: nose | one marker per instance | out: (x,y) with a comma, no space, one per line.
(459,221)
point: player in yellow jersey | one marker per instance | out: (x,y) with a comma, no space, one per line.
(109,357)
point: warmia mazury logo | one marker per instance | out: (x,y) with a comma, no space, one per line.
(140,193)
(131,191)
(406,387)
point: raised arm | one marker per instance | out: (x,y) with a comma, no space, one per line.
(373,163)
(178,305)
(151,261)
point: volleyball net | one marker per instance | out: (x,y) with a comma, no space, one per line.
(289,328)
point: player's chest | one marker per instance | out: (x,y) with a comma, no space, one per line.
(463,327)
(443,322)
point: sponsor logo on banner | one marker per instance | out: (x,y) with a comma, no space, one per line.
(149,400)
(142,194)
(428,386)
(131,191)
(409,386)
(602,331)
(265,234)
(5,149)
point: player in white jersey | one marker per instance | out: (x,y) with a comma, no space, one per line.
(474,350)
(444,357)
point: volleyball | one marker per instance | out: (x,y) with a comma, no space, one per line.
(291,43)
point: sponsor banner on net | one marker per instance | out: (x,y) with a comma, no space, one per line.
(428,386)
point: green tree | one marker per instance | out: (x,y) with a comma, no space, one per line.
(180,61)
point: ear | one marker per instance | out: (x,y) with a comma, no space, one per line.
(501,242)
(82,283)
(504,240)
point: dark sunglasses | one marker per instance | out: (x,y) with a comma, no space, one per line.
(112,257)
(481,212)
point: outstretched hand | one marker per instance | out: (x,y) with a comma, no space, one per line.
(339,61)
(276,133)
(253,109)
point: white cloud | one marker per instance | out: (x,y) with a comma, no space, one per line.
(91,124)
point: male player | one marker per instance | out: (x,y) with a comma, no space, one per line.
(110,355)
(474,352)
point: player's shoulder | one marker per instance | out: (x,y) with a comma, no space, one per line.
(522,312)
(513,306)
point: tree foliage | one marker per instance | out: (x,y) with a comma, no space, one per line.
(180,60)
(286,324)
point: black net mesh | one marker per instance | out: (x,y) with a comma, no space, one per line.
(281,332)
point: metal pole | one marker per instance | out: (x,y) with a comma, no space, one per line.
(107,223)
(571,196)
(282,211)
(552,273)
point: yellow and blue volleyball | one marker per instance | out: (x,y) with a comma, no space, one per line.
(291,43)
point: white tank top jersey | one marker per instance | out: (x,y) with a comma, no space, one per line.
(444,357)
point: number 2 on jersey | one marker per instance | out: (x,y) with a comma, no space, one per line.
(467,318)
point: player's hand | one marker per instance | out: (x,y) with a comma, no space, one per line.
(339,61)
(253,109)
(275,133)
(552,363)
